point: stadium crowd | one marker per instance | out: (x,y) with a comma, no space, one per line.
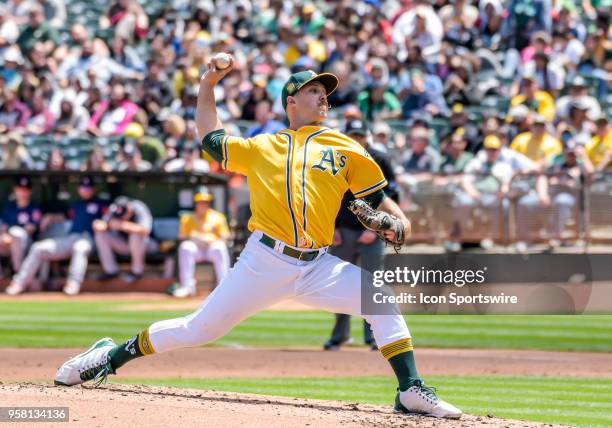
(488,87)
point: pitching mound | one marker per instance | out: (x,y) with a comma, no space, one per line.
(123,406)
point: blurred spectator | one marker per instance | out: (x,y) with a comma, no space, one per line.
(577,123)
(72,120)
(599,149)
(454,155)
(265,120)
(346,92)
(85,64)
(132,159)
(421,24)
(56,161)
(577,90)
(460,119)
(189,161)
(151,148)
(549,74)
(10,70)
(423,93)
(377,102)
(113,116)
(9,30)
(55,12)
(41,119)
(174,128)
(13,113)
(127,18)
(19,223)
(95,161)
(536,100)
(570,168)
(125,55)
(420,157)
(14,154)
(525,18)
(37,30)
(485,184)
(537,144)
(257,96)
(382,137)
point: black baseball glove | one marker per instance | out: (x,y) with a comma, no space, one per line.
(378,221)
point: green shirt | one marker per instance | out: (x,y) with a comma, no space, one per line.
(30,36)
(370,110)
(451,165)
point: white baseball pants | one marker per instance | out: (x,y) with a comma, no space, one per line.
(189,253)
(75,246)
(262,277)
(20,240)
(108,243)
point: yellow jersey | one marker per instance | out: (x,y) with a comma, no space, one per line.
(543,103)
(212,227)
(536,150)
(297,179)
(597,148)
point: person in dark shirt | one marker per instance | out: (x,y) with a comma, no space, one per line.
(19,223)
(356,244)
(76,245)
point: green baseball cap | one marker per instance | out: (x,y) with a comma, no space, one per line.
(297,81)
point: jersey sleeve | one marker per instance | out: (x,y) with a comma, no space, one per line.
(364,175)
(185,226)
(235,152)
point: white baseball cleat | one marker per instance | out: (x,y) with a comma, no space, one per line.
(422,400)
(93,364)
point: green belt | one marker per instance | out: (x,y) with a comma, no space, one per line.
(288,251)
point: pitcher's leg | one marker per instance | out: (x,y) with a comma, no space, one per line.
(333,285)
(246,289)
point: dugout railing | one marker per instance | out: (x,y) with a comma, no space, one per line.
(432,202)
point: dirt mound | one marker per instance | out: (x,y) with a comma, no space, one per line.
(126,406)
(18,364)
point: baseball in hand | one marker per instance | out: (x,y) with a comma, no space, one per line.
(221,60)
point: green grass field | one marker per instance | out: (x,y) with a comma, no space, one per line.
(77,324)
(574,401)
(579,402)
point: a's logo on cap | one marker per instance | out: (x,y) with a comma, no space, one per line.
(290,87)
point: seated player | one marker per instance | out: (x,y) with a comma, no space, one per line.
(204,234)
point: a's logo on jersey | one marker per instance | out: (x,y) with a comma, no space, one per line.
(330,159)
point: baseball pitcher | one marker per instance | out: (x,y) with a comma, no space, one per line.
(297,178)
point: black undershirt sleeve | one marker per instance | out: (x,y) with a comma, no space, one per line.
(375,199)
